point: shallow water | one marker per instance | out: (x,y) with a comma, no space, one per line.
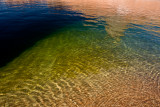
(93,53)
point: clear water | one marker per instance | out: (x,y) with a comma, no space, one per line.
(87,53)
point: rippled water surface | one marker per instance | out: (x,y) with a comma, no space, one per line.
(79,53)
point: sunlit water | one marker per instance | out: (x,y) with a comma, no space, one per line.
(87,53)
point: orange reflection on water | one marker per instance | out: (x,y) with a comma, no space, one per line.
(122,7)
(96,8)
(134,86)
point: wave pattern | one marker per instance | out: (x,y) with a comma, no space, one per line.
(114,87)
(80,69)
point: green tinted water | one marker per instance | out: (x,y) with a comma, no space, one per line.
(106,61)
(66,53)
(76,57)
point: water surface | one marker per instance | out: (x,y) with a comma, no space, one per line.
(93,53)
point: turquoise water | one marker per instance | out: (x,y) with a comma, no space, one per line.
(109,55)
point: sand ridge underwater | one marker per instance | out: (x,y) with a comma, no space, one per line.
(108,56)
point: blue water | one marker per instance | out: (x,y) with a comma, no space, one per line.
(87,53)
(22,25)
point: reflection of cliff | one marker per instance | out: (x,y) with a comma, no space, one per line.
(120,7)
(127,8)
(117,13)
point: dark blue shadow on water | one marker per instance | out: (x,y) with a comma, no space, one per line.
(21,27)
